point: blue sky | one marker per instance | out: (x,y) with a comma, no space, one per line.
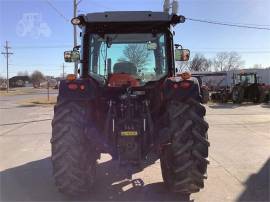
(43,50)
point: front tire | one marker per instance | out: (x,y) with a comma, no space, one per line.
(184,162)
(73,156)
(238,95)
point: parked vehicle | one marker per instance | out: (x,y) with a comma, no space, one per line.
(221,95)
(128,108)
(248,88)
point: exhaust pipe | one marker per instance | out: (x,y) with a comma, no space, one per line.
(175,7)
(168,5)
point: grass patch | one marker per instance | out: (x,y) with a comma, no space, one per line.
(42,101)
(17,91)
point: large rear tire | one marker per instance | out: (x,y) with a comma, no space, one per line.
(184,162)
(73,155)
(261,95)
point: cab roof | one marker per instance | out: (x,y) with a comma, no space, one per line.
(127,16)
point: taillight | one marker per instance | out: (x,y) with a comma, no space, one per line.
(184,84)
(73,86)
(82,87)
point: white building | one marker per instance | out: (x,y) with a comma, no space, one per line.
(263,76)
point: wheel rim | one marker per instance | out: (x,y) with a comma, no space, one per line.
(235,94)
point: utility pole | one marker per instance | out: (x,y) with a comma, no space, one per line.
(75,6)
(7,53)
(63,70)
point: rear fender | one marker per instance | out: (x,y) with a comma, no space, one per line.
(79,90)
(178,89)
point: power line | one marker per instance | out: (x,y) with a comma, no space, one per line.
(230,48)
(57,11)
(228,24)
(98,4)
(42,47)
(27,65)
(240,52)
(201,48)
(248,24)
(241,23)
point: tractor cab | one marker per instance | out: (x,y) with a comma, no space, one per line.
(246,78)
(127,48)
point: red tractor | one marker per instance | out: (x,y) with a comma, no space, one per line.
(127,102)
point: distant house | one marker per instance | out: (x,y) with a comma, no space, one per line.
(19,81)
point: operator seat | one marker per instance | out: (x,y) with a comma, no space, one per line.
(125,67)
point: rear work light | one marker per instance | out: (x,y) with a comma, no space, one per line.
(71,77)
(185,75)
(76,21)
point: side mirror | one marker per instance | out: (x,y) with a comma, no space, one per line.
(151,46)
(182,54)
(72,56)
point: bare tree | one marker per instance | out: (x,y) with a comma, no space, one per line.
(200,63)
(225,61)
(37,77)
(2,80)
(234,61)
(220,61)
(137,54)
(257,66)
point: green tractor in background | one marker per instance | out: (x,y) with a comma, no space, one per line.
(248,88)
